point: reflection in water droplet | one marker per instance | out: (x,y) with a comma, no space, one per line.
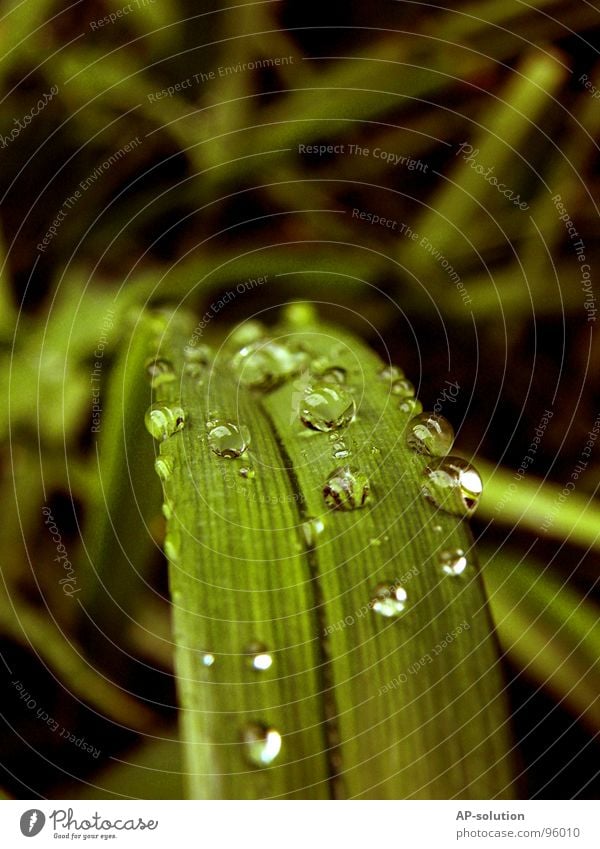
(333,374)
(199,354)
(227,439)
(159,371)
(266,364)
(453,562)
(411,405)
(163,466)
(311,530)
(207,659)
(326,407)
(453,484)
(429,433)
(346,489)
(389,600)
(262,744)
(259,656)
(162,421)
(391,373)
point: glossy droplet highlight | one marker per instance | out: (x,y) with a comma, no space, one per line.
(266,364)
(207,659)
(312,530)
(163,421)
(431,434)
(453,484)
(346,489)
(340,450)
(333,374)
(389,600)
(262,744)
(228,439)
(412,406)
(390,373)
(163,466)
(402,389)
(259,657)
(453,562)
(326,407)
(159,371)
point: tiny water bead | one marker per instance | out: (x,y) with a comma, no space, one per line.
(163,421)
(453,562)
(159,371)
(326,407)
(346,489)
(199,354)
(390,373)
(207,659)
(389,600)
(340,450)
(228,439)
(245,334)
(195,371)
(402,389)
(167,510)
(266,364)
(259,656)
(262,744)
(247,473)
(163,466)
(333,374)
(412,406)
(453,484)
(171,548)
(312,530)
(430,433)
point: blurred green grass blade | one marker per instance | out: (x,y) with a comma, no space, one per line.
(117,546)
(241,570)
(551,632)
(538,506)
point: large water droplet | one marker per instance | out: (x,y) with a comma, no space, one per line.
(453,484)
(389,600)
(429,433)
(265,364)
(311,531)
(163,421)
(163,466)
(228,439)
(259,656)
(326,407)
(453,562)
(159,371)
(346,489)
(262,744)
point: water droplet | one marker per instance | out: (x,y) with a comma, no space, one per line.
(171,549)
(207,659)
(326,407)
(200,354)
(245,334)
(266,364)
(340,450)
(333,374)
(228,439)
(262,744)
(453,562)
(391,373)
(375,541)
(453,484)
(437,529)
(247,473)
(389,600)
(403,389)
(163,466)
(162,421)
(375,451)
(167,511)
(195,371)
(311,530)
(346,489)
(412,406)
(299,314)
(429,433)
(159,371)
(259,656)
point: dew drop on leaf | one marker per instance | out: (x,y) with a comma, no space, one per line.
(431,434)
(312,530)
(346,489)
(199,354)
(159,371)
(163,421)
(390,373)
(228,439)
(333,374)
(207,659)
(389,600)
(262,744)
(266,364)
(326,407)
(453,562)
(259,657)
(163,466)
(452,484)
(412,406)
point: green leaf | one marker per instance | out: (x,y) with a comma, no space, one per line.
(367,706)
